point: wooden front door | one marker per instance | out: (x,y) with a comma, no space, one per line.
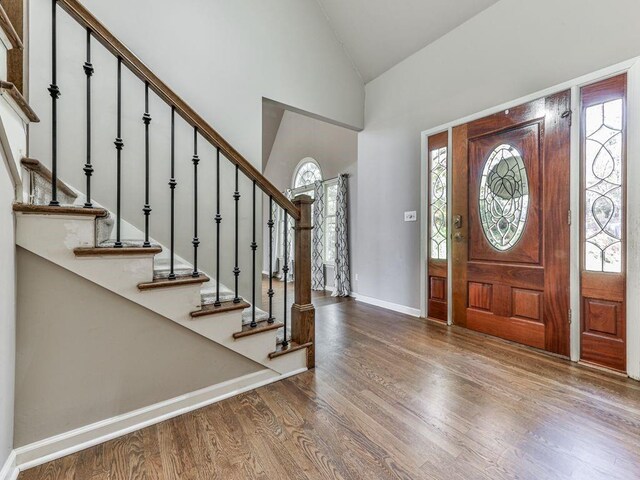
(510,238)
(437,156)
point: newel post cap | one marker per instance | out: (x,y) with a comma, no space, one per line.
(302,200)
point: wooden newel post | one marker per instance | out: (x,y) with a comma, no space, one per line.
(303,326)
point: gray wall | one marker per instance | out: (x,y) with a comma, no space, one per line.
(334,148)
(7,312)
(86,354)
(512,49)
(222,57)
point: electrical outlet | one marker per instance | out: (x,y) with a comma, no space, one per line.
(356,277)
(410,216)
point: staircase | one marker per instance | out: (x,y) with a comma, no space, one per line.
(65,225)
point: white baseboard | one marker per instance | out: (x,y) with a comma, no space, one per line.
(414,312)
(58,446)
(9,470)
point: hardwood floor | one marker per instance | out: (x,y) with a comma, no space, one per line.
(394,397)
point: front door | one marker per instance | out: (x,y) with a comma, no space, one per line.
(510,238)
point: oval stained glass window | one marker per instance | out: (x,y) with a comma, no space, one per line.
(504,197)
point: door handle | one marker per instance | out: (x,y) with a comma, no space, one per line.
(458,237)
(457,221)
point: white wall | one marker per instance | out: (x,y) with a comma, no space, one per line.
(334,148)
(7,312)
(512,49)
(222,57)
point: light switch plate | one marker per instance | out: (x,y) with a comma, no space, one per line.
(410,216)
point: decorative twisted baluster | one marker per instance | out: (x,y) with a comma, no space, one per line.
(146,119)
(88,168)
(172,187)
(218,219)
(270,291)
(254,248)
(119,145)
(285,272)
(195,242)
(54,91)
(236,268)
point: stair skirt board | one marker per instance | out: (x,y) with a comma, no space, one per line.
(64,444)
(65,234)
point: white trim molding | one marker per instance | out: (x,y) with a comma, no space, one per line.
(9,470)
(632,68)
(58,446)
(414,312)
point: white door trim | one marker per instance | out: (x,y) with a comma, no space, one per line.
(632,68)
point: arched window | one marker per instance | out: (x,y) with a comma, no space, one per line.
(307,173)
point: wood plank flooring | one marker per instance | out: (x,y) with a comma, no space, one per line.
(393,397)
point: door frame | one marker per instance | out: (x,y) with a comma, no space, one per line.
(632,68)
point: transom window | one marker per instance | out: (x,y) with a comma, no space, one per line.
(307,173)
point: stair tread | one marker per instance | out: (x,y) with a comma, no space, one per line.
(61,210)
(36,166)
(263,326)
(112,251)
(291,347)
(20,101)
(181,280)
(211,309)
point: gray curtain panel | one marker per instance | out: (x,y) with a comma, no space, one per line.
(342,286)
(317,245)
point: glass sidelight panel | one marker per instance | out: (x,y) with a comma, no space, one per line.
(603,187)
(602,280)
(438,203)
(437,229)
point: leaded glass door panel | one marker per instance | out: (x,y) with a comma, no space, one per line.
(437,229)
(510,253)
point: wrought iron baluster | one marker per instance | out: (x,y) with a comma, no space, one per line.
(285,271)
(88,168)
(271,319)
(254,248)
(218,219)
(195,240)
(172,186)
(54,91)
(146,118)
(236,268)
(119,144)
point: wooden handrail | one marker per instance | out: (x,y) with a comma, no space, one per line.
(138,68)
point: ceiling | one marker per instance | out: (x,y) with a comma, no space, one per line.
(378,34)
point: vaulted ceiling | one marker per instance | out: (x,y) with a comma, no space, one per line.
(378,34)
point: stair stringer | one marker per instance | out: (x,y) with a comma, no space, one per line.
(54,237)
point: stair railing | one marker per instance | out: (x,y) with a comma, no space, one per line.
(299,210)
